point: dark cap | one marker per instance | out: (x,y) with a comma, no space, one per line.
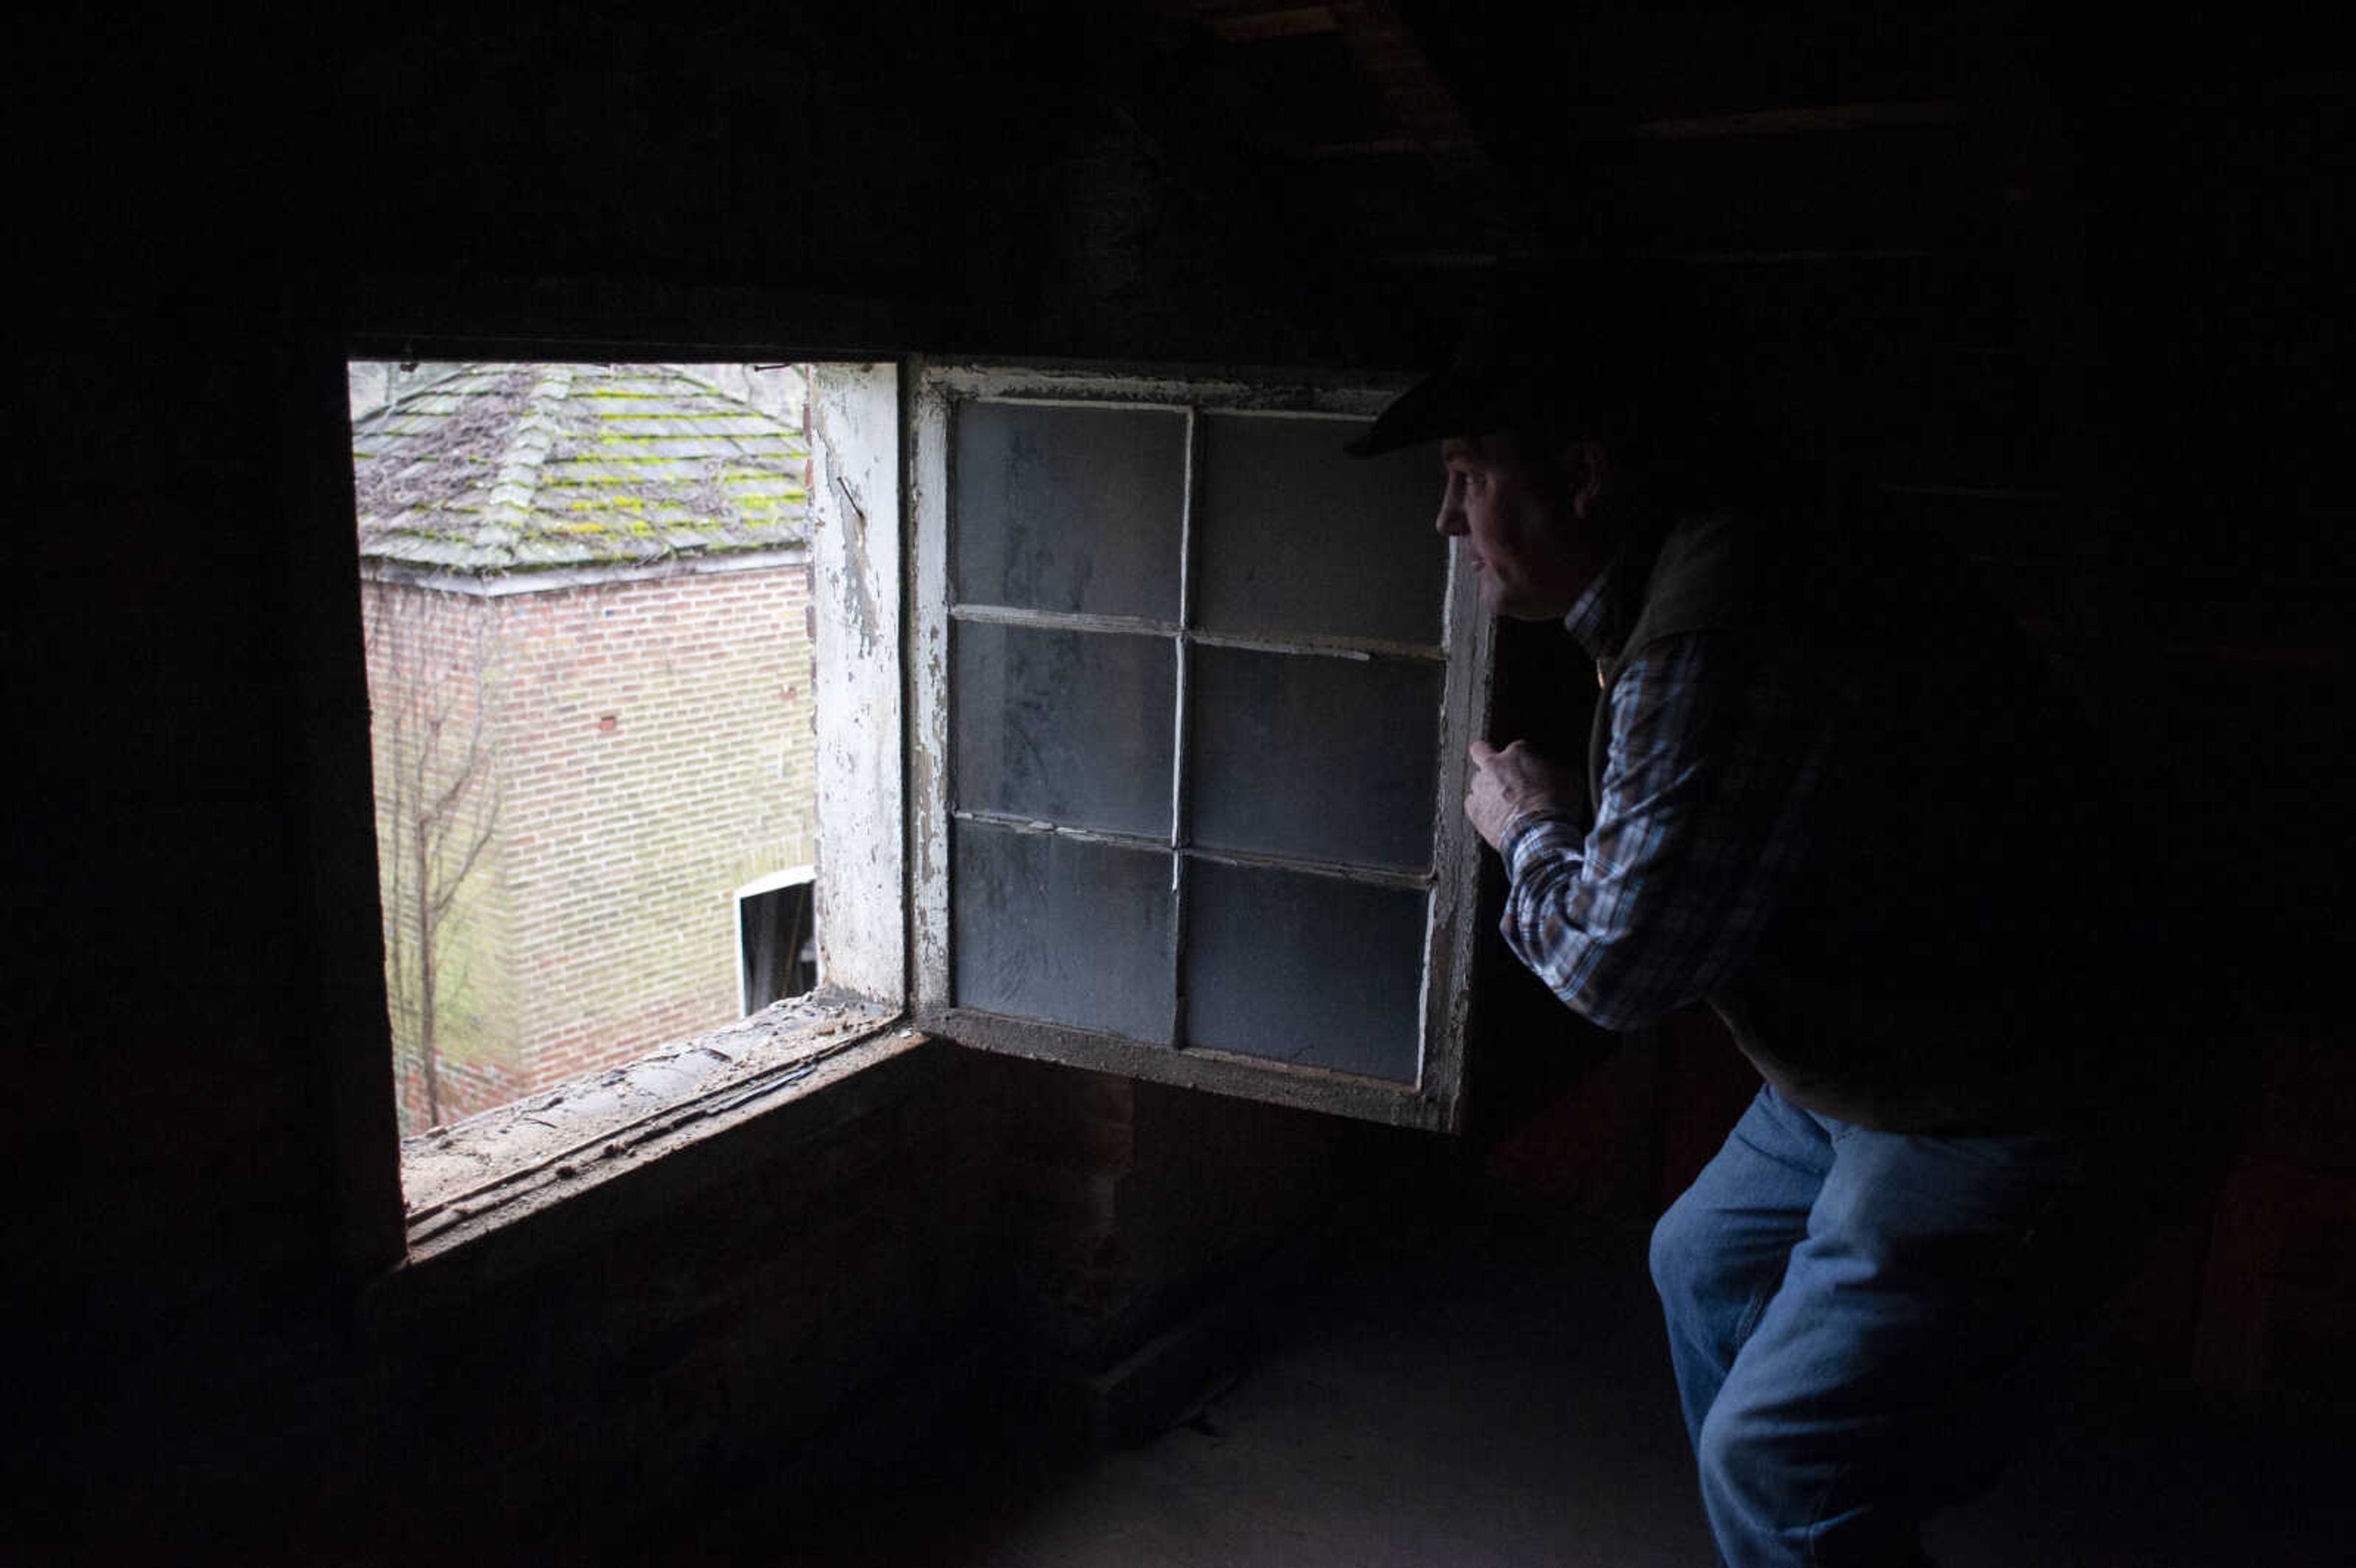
(1648,364)
(1511,366)
(1463,399)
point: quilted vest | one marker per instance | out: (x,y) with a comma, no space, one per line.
(1947,953)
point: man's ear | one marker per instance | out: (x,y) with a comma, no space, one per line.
(1590,469)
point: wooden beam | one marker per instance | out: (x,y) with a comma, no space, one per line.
(1393,61)
(1806,122)
(1258,23)
(1378,147)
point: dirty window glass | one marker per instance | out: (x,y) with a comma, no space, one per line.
(1298,536)
(1195,713)
(1329,759)
(1071,510)
(1069,727)
(1052,926)
(1306,969)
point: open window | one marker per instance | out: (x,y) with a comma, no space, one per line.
(777,939)
(632,651)
(585,603)
(1195,688)
(1144,757)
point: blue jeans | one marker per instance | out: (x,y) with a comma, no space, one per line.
(1847,1310)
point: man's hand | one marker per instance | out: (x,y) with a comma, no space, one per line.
(1505,785)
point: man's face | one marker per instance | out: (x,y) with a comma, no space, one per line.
(1526,524)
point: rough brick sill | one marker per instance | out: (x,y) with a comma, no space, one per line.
(489,1171)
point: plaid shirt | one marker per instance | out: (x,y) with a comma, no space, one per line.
(1703,817)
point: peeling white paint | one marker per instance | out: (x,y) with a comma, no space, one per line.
(856,597)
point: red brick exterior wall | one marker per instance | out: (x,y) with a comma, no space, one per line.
(654,751)
(433,665)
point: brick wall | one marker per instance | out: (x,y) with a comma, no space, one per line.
(436,701)
(652,745)
(658,741)
(1123,1202)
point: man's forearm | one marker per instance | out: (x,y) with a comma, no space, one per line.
(1703,811)
(1565,919)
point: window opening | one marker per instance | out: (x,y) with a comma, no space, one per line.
(776,938)
(586,602)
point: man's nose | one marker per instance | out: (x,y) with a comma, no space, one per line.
(1451,520)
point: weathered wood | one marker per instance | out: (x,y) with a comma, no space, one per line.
(1252,23)
(1217,1073)
(1806,122)
(855,597)
(562,1134)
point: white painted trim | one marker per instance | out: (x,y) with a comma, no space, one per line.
(1471,633)
(855,598)
(930,478)
(1273,392)
(504,584)
(792,876)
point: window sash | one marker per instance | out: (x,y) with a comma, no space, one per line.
(1462,656)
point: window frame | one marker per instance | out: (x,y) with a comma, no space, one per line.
(1465,651)
(781,1064)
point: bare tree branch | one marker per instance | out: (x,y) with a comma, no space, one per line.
(438,802)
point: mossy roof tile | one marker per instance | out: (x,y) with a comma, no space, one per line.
(512,467)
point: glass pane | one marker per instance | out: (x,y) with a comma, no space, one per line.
(1297,754)
(1049,927)
(1304,969)
(1070,727)
(1074,509)
(1298,536)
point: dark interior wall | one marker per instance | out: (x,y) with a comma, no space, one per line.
(2225,352)
(2115,386)
(2092,330)
(1040,179)
(214,1369)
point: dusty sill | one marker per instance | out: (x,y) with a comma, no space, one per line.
(483,1172)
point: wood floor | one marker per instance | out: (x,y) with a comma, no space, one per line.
(1495,1390)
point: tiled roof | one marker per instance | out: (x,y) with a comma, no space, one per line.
(499,468)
